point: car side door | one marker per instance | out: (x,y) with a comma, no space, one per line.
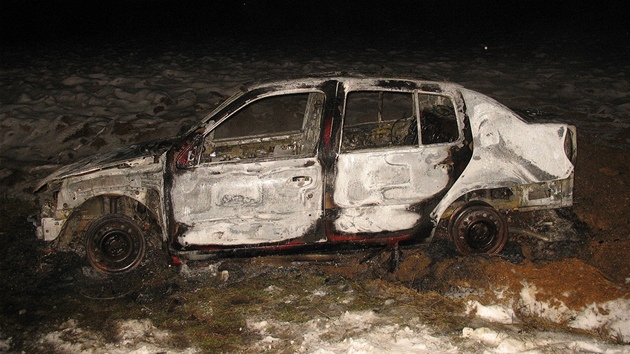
(258,180)
(395,159)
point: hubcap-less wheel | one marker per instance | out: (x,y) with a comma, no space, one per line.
(114,243)
(476,227)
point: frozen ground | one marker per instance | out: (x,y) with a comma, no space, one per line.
(285,308)
(58,104)
(351,332)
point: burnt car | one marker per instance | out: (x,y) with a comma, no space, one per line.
(317,163)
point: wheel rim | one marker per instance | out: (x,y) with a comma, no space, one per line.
(115,244)
(480,235)
(478,228)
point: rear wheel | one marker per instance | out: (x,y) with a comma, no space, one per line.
(476,227)
(115,243)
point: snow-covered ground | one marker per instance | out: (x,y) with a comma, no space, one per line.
(366,332)
(57,105)
(498,331)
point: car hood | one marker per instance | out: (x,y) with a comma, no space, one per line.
(124,157)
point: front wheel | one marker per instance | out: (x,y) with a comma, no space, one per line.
(476,227)
(114,244)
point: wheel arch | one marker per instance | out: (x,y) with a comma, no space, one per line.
(501,199)
(145,210)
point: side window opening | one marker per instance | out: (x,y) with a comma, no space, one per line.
(375,119)
(438,122)
(276,126)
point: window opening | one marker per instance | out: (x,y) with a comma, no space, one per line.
(438,121)
(276,126)
(374,119)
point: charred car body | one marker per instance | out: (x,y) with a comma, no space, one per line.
(311,163)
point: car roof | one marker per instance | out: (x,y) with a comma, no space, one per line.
(288,84)
(316,80)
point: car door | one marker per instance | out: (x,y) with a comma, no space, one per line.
(259,180)
(394,159)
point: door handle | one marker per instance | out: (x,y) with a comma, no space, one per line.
(448,166)
(301,180)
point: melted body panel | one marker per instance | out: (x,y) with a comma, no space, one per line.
(374,189)
(248,203)
(130,156)
(135,179)
(509,152)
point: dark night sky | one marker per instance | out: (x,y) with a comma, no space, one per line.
(28,22)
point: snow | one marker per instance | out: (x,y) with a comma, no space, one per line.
(612,317)
(353,332)
(492,313)
(367,332)
(133,336)
(372,332)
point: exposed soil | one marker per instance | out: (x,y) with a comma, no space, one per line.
(602,190)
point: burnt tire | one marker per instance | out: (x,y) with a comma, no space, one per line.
(477,228)
(115,244)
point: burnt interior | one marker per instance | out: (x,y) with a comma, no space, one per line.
(377,119)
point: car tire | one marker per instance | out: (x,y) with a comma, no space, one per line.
(477,228)
(115,244)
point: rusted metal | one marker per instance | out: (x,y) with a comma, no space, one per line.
(476,227)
